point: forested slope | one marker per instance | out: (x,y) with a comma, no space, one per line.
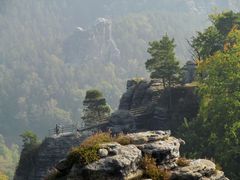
(39,88)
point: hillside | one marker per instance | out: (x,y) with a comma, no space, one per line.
(40,87)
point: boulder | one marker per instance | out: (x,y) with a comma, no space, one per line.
(198,169)
(123,161)
(102,152)
(158,144)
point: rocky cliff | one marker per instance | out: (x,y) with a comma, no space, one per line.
(35,165)
(151,107)
(92,44)
(144,106)
(130,161)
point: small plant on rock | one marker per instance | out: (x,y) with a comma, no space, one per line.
(122,139)
(151,170)
(182,161)
(87,152)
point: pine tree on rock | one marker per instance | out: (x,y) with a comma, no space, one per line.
(163,64)
(96,110)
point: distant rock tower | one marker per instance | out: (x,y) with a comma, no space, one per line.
(92,44)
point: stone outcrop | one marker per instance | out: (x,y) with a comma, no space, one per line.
(122,121)
(121,163)
(153,108)
(35,165)
(92,44)
(124,161)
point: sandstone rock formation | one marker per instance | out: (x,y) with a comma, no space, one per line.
(92,44)
(51,151)
(124,161)
(150,105)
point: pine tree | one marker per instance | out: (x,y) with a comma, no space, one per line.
(96,110)
(163,64)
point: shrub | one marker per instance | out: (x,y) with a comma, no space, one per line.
(183,162)
(30,140)
(122,139)
(151,170)
(93,94)
(87,152)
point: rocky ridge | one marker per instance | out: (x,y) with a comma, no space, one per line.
(35,166)
(123,162)
(145,106)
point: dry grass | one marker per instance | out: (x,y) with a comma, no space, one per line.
(122,139)
(182,161)
(98,138)
(151,170)
(87,152)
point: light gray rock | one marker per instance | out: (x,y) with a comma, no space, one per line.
(148,136)
(102,152)
(122,162)
(198,169)
(159,144)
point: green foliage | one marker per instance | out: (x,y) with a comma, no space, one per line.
(95,109)
(225,21)
(93,94)
(87,152)
(206,43)
(8,159)
(151,170)
(39,88)
(29,140)
(215,133)
(163,63)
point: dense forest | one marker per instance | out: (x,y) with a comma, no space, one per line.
(215,133)
(40,87)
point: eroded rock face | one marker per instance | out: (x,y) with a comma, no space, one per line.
(50,152)
(121,162)
(122,121)
(158,144)
(198,169)
(149,103)
(92,44)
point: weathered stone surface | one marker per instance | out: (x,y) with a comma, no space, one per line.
(122,121)
(148,136)
(158,144)
(50,152)
(102,152)
(198,169)
(63,166)
(121,162)
(94,43)
(148,102)
(118,162)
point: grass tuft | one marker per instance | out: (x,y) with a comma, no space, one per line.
(151,170)
(182,161)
